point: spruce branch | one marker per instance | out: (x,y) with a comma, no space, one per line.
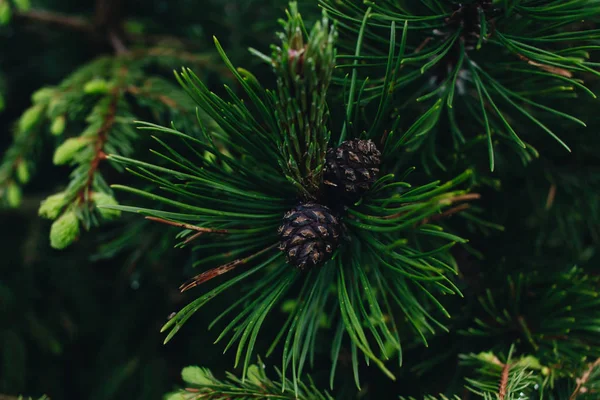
(16,166)
(511,379)
(92,110)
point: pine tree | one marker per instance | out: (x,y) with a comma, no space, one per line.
(397,199)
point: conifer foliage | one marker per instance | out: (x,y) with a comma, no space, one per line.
(388,230)
(397,199)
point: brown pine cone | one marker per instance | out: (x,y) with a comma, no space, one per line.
(309,235)
(352,168)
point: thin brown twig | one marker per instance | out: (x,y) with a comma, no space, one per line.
(551,196)
(503,382)
(117,44)
(213,273)
(581,381)
(465,197)
(53,18)
(446,214)
(547,68)
(102,136)
(187,226)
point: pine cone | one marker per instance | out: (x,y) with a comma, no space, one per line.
(352,168)
(309,235)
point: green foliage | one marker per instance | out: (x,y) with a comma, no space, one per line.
(389,231)
(5,12)
(202,384)
(92,112)
(303,74)
(509,380)
(64,230)
(526,301)
(491,85)
(476,86)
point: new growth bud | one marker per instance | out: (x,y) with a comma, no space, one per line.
(64,230)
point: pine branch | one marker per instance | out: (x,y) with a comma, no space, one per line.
(455,61)
(409,264)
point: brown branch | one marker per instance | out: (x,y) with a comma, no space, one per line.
(218,271)
(187,226)
(503,382)
(445,214)
(581,381)
(453,210)
(465,197)
(85,25)
(117,43)
(547,68)
(551,197)
(102,137)
(52,18)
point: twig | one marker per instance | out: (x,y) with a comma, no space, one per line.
(52,18)
(551,197)
(213,273)
(445,214)
(187,226)
(117,43)
(453,210)
(503,382)
(81,24)
(99,154)
(547,68)
(583,380)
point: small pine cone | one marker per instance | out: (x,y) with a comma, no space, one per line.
(352,168)
(309,235)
